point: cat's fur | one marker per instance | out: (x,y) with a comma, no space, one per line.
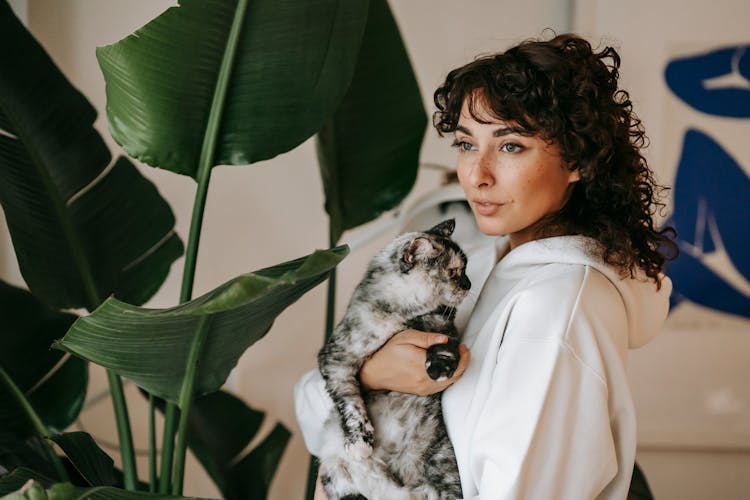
(402,450)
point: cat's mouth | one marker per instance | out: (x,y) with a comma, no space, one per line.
(456,296)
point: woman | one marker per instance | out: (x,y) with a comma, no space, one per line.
(549,155)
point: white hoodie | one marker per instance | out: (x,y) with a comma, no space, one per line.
(543,410)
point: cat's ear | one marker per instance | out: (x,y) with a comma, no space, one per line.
(445,228)
(413,251)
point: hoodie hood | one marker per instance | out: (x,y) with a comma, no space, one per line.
(646,307)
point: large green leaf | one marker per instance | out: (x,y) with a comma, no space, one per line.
(55,387)
(43,489)
(151,346)
(30,452)
(251,477)
(81,230)
(93,464)
(14,480)
(178,83)
(220,428)
(369,150)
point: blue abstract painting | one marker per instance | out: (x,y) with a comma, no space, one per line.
(717,82)
(711,189)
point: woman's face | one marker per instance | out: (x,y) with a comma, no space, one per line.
(510,180)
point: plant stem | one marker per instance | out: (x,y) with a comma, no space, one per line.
(167,448)
(312,475)
(36,423)
(331,303)
(151,444)
(186,401)
(123,431)
(203,178)
(208,150)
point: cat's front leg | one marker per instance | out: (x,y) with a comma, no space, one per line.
(343,387)
(442,360)
(359,434)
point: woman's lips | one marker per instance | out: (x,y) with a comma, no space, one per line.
(486,208)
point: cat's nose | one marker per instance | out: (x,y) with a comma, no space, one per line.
(464,282)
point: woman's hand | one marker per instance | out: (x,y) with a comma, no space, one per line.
(400,364)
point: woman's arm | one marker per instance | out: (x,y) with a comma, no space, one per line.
(397,366)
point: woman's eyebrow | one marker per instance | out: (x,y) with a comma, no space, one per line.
(495,133)
(503,131)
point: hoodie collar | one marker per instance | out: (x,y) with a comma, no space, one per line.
(646,307)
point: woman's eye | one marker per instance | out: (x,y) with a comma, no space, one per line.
(511,147)
(462,146)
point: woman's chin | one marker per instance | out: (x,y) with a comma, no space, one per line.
(491,228)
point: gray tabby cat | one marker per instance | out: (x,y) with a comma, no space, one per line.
(402,450)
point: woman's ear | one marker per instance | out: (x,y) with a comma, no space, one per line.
(574,173)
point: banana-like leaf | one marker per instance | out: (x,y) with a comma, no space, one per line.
(251,477)
(14,480)
(16,486)
(30,452)
(220,427)
(151,346)
(93,464)
(55,387)
(255,78)
(369,150)
(81,230)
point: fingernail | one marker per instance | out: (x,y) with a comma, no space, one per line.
(441,339)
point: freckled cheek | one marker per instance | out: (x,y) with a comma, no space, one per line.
(528,189)
(462,171)
(515,185)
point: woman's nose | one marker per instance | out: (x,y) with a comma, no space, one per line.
(481,174)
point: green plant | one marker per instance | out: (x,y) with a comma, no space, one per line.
(206,83)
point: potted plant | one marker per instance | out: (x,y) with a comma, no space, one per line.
(195,88)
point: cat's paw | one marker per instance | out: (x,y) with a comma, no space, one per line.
(359,449)
(442,360)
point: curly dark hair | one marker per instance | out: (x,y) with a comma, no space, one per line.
(566,93)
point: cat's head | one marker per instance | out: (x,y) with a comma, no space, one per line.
(432,259)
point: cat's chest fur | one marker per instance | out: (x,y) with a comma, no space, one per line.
(365,328)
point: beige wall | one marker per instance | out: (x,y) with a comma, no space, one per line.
(262,214)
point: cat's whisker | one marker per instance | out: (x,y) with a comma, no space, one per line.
(447,312)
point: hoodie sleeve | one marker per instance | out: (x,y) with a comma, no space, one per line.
(545,429)
(312,405)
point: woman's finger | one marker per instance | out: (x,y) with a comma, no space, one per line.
(421,339)
(463,362)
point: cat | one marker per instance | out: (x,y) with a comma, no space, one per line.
(401,450)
